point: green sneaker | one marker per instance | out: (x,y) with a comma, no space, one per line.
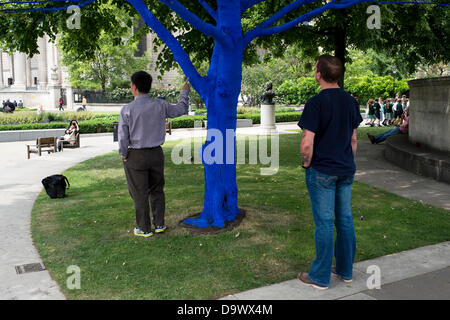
(138,232)
(160,229)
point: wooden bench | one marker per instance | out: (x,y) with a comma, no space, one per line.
(71,144)
(43,145)
(168,126)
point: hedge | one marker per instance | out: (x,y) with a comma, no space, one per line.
(28,117)
(97,126)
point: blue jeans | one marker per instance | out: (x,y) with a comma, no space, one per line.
(383,136)
(330,203)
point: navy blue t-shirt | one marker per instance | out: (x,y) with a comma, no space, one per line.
(332,115)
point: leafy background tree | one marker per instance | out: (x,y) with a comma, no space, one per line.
(111,62)
(411,34)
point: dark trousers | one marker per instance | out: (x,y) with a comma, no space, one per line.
(144,171)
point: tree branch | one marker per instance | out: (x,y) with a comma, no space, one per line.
(195,21)
(281,13)
(208,8)
(180,56)
(263,28)
(247,4)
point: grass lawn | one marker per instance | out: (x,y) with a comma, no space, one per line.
(93,228)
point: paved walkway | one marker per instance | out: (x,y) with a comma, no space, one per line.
(426,269)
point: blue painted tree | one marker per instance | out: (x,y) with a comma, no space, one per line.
(220,88)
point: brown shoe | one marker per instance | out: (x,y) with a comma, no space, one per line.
(303,277)
(333,271)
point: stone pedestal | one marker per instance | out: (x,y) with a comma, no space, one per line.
(55,92)
(267,125)
(429,109)
(69,98)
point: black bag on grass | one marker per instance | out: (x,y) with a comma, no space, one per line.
(55,186)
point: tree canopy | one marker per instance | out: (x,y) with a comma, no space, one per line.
(413,33)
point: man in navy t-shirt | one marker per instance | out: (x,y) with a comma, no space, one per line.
(329,122)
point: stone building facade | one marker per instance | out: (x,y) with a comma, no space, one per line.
(42,80)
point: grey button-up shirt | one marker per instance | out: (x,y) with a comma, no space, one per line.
(142,122)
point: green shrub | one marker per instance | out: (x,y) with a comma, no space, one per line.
(200,111)
(369,87)
(288,117)
(297,92)
(186,121)
(279,117)
(33,126)
(28,117)
(107,125)
(287,93)
(365,87)
(96,126)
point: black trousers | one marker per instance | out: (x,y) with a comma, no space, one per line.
(144,171)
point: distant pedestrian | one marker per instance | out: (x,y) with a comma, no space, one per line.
(371,113)
(61,102)
(377,109)
(388,112)
(84,103)
(380,101)
(398,111)
(329,123)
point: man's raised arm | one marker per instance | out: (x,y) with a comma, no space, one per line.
(182,107)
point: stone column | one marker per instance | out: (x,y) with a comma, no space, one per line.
(50,60)
(43,72)
(29,76)
(19,71)
(2,81)
(11,67)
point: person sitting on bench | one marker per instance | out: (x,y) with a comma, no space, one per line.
(70,133)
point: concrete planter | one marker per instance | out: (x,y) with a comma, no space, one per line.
(429,122)
(29,135)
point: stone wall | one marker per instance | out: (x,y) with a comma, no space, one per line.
(429,123)
(31,99)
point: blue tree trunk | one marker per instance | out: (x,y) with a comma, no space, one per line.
(221,192)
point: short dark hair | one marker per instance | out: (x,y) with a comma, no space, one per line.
(330,68)
(142,80)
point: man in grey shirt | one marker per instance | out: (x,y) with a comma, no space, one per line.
(142,131)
